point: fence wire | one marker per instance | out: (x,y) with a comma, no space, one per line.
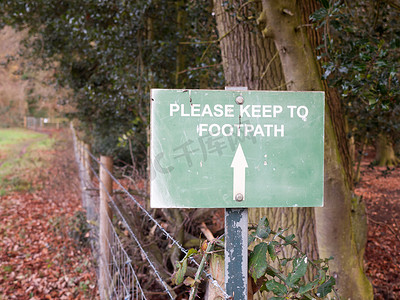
(124,283)
(90,200)
(122,279)
(144,253)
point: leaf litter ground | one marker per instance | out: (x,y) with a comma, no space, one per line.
(39,259)
(380,189)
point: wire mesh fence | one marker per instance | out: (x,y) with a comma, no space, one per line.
(123,281)
(116,267)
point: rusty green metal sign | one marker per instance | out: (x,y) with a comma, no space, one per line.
(217,148)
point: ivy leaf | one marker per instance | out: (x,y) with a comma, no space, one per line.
(299,270)
(326,287)
(271,249)
(319,15)
(263,229)
(277,288)
(258,261)
(308,287)
(290,240)
(271,272)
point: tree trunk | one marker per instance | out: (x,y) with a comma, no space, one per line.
(284,23)
(180,79)
(385,155)
(251,60)
(248,59)
(243,52)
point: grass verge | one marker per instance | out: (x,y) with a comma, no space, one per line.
(22,152)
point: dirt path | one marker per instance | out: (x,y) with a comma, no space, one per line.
(25,146)
(380,189)
(44,252)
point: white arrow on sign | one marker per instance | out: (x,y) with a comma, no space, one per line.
(239,164)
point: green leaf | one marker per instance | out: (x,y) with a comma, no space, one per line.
(321,276)
(308,287)
(271,272)
(307,296)
(252,238)
(299,270)
(320,14)
(263,229)
(301,266)
(277,288)
(271,249)
(258,261)
(326,287)
(191,252)
(290,240)
(179,275)
(284,262)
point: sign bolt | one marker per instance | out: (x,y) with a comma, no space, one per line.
(239,197)
(239,100)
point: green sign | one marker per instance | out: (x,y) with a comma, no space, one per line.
(221,148)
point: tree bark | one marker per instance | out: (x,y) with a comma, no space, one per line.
(285,25)
(248,59)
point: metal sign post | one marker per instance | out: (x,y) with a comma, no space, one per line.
(236,226)
(236,244)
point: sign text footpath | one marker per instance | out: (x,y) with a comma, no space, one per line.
(236,148)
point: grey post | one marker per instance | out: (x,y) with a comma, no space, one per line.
(236,244)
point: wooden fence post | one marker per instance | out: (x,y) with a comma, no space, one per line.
(105,230)
(78,144)
(88,160)
(81,152)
